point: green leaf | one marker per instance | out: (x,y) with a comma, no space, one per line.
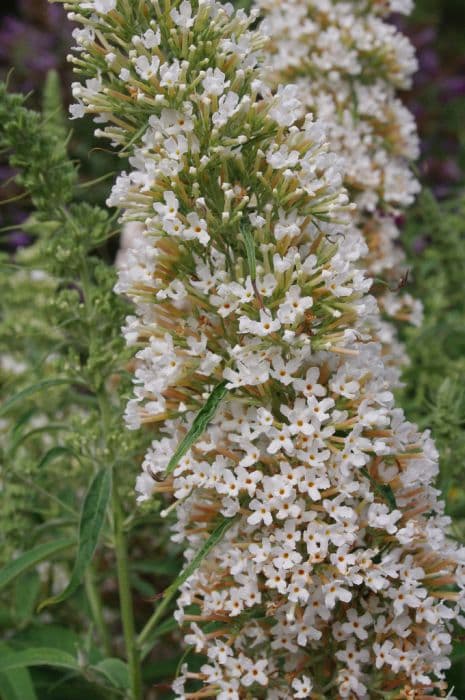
(249,243)
(26,593)
(50,636)
(15,684)
(22,421)
(91,522)
(250,251)
(52,106)
(52,427)
(115,671)
(37,657)
(166,567)
(168,625)
(205,549)
(149,632)
(54,453)
(27,561)
(34,389)
(383,490)
(201,421)
(458,653)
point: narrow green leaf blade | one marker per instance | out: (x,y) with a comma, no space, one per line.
(51,427)
(53,453)
(15,684)
(33,389)
(150,630)
(91,522)
(52,106)
(201,421)
(383,490)
(204,550)
(115,671)
(250,251)
(26,592)
(28,560)
(37,657)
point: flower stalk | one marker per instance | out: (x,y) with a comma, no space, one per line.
(246,274)
(350,63)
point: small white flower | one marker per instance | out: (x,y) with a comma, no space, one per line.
(197,229)
(215,82)
(260,513)
(302,687)
(261,328)
(379,516)
(170,209)
(103,6)
(356,624)
(170,74)
(145,68)
(183,17)
(151,39)
(255,672)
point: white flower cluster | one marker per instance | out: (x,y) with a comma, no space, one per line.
(348,63)
(331,576)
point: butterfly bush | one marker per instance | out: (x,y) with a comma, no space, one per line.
(349,63)
(331,574)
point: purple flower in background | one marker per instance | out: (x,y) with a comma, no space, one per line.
(420,244)
(34,43)
(437,98)
(18,240)
(453,87)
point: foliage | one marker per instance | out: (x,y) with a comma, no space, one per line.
(434,395)
(66,525)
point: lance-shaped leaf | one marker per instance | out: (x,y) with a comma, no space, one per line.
(383,490)
(197,428)
(148,633)
(90,526)
(115,671)
(35,389)
(51,427)
(37,657)
(215,537)
(33,557)
(249,244)
(15,684)
(53,454)
(52,107)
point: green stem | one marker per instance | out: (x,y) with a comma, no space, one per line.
(96,607)
(125,599)
(119,535)
(152,623)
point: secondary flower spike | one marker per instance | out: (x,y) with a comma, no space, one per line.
(276,436)
(350,62)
